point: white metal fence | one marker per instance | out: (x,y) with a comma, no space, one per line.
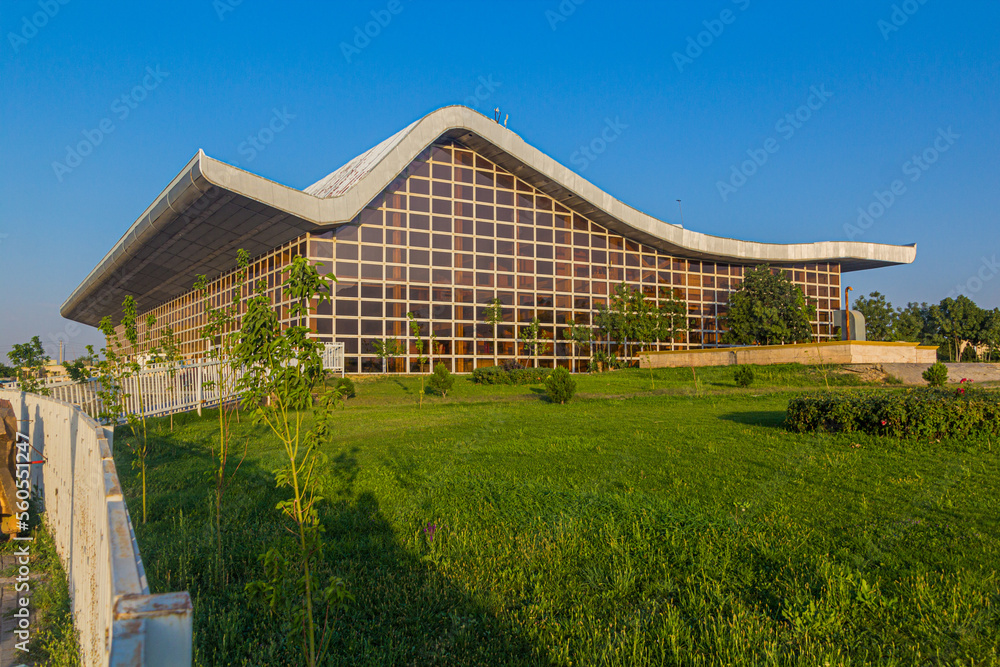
(118,622)
(171,388)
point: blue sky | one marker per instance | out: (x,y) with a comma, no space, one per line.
(691,89)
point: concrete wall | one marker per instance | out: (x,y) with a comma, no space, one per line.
(839,352)
(116,619)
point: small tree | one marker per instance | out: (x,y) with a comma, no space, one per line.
(442,380)
(560,385)
(111,372)
(221,336)
(743,375)
(79,369)
(29,361)
(387,350)
(493,315)
(768,309)
(286,366)
(534,344)
(171,355)
(936,375)
(141,448)
(418,344)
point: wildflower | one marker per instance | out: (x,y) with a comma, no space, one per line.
(429,531)
(883,422)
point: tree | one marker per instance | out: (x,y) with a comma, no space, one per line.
(991,331)
(632,319)
(442,380)
(914,323)
(534,344)
(171,355)
(387,350)
(283,369)
(493,315)
(768,309)
(29,361)
(880,318)
(79,369)
(960,321)
(419,346)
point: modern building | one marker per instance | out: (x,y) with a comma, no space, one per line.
(438,220)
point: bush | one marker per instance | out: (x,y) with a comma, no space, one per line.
(345,386)
(922,412)
(442,380)
(936,375)
(743,376)
(497,375)
(560,386)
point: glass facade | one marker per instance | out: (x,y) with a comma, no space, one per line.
(456,231)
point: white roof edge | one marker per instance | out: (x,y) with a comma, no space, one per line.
(421,134)
(399,151)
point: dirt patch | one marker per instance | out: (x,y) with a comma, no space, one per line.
(868,373)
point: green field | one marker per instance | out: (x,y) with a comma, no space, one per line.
(673,524)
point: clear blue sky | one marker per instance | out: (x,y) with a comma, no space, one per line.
(686,122)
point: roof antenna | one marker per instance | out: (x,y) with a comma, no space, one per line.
(496,115)
(505,119)
(682,212)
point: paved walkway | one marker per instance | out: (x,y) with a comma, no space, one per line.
(911,373)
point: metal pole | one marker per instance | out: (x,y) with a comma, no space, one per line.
(847,311)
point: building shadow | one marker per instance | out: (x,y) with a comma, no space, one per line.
(405,611)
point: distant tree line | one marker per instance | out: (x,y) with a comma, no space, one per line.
(963,330)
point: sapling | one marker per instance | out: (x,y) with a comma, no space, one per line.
(286,366)
(493,315)
(419,346)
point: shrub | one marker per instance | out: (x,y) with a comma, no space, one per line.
(936,375)
(560,386)
(743,376)
(345,386)
(497,375)
(922,412)
(442,380)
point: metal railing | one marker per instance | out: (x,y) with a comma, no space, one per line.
(167,388)
(118,622)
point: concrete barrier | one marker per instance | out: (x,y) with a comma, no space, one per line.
(835,352)
(117,620)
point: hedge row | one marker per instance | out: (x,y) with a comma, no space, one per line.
(500,375)
(911,413)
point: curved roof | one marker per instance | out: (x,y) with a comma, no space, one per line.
(212,208)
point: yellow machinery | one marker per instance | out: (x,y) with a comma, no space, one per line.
(8,469)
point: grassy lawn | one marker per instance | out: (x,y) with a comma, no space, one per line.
(663,523)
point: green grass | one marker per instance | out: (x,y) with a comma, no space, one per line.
(53,641)
(675,525)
